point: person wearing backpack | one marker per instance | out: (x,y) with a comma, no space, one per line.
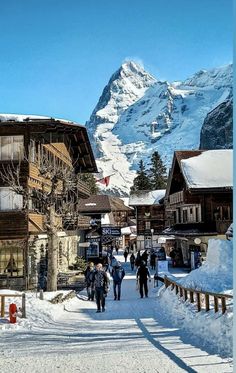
(100,284)
(142,275)
(117,274)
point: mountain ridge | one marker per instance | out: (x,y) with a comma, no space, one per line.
(138,114)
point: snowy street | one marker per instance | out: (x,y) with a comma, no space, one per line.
(132,335)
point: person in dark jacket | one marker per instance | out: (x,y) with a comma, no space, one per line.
(153,260)
(132,261)
(144,256)
(125,255)
(117,274)
(88,280)
(100,283)
(138,259)
(142,276)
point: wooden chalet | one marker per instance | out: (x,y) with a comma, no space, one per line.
(198,201)
(24,142)
(108,215)
(149,207)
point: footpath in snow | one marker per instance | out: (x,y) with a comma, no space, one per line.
(133,335)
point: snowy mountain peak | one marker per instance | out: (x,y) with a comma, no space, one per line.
(218,77)
(137,115)
(125,86)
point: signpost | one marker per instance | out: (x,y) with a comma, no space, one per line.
(161,266)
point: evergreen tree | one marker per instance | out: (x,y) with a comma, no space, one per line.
(90,180)
(157,172)
(141,181)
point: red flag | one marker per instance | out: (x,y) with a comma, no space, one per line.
(104,180)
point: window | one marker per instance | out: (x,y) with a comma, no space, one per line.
(11,148)
(185,216)
(11,261)
(10,200)
(147,225)
(60,254)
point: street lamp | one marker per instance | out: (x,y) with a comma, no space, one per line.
(152,231)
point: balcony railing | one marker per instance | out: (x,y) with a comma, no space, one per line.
(177,197)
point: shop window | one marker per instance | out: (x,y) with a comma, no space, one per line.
(11,261)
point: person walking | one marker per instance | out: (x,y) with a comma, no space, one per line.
(100,284)
(88,280)
(117,274)
(125,255)
(145,256)
(132,261)
(153,260)
(142,275)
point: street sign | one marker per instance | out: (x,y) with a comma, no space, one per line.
(162,265)
(111,231)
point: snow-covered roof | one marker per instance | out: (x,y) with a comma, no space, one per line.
(210,169)
(24,117)
(146,197)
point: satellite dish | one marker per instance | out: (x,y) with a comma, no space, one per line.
(197,241)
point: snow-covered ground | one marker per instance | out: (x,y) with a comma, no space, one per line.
(133,335)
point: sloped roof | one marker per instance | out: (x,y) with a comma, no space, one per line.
(101,204)
(210,169)
(146,198)
(84,160)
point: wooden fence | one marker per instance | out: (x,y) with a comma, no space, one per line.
(200,298)
(4,296)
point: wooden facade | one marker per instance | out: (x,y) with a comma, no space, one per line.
(24,144)
(150,217)
(192,213)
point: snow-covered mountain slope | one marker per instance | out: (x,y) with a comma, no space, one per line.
(137,115)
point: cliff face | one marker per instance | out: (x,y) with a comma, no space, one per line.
(217,129)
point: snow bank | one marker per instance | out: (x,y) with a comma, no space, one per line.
(212,330)
(216,275)
(37,311)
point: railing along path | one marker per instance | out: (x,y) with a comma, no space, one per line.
(199,296)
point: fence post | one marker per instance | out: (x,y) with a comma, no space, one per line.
(191,297)
(207,302)
(23,306)
(223,303)
(41,294)
(198,302)
(165,281)
(216,305)
(2,305)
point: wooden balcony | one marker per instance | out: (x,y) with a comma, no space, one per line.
(176,198)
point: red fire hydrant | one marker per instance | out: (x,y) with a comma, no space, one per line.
(12,313)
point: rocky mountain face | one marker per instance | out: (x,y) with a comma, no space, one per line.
(217,129)
(138,114)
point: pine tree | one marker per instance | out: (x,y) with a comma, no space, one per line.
(157,172)
(141,181)
(90,180)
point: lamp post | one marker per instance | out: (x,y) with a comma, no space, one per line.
(152,231)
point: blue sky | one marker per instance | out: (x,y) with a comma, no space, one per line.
(57,55)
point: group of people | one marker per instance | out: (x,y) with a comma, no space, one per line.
(98,281)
